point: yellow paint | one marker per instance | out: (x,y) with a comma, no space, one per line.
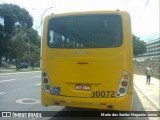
(103,71)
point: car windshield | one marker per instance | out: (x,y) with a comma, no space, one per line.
(85,31)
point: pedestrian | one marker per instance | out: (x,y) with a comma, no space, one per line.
(148,74)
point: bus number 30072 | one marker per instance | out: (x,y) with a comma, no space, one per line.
(106,94)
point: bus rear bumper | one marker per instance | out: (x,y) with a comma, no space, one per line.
(120,104)
(124,103)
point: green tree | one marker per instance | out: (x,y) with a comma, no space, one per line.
(26,46)
(17,48)
(1,41)
(12,17)
(33,41)
(139,46)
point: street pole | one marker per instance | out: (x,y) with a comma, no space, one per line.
(29,53)
(159,68)
(42,35)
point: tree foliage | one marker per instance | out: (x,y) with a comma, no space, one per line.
(14,15)
(18,40)
(25,46)
(139,46)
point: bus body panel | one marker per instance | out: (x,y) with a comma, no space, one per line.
(98,72)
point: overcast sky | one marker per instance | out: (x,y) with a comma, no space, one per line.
(144,13)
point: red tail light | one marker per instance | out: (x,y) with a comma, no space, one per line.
(124,83)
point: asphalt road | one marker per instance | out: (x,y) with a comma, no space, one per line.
(21,92)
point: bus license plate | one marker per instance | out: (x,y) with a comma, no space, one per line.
(83,87)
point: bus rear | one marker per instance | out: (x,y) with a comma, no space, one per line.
(87,60)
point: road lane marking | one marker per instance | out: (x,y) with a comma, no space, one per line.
(7,80)
(19,73)
(28,101)
(38,84)
(37,76)
(2,93)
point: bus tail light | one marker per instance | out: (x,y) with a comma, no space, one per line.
(46,83)
(124,84)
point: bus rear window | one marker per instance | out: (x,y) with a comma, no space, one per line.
(85,31)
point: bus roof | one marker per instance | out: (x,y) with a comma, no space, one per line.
(89,12)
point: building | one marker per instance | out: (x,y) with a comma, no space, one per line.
(152,50)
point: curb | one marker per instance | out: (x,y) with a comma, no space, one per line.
(149,99)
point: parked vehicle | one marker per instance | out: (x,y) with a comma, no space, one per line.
(22,65)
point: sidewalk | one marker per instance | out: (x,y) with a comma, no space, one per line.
(151,91)
(3,69)
(6,69)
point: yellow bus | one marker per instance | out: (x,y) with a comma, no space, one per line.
(87,60)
